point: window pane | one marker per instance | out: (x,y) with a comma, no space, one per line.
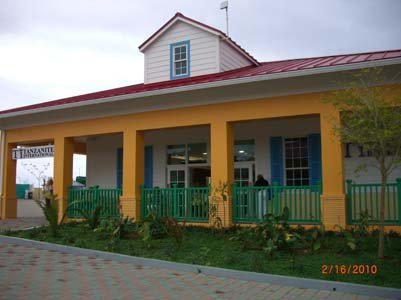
(244,150)
(197,153)
(176,154)
(237,174)
(173,176)
(244,173)
(181,175)
(296,161)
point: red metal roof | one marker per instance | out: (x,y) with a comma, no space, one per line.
(264,69)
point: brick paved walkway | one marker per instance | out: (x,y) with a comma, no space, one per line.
(21,223)
(30,273)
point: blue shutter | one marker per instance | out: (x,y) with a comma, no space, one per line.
(148,166)
(315,158)
(119,168)
(276,160)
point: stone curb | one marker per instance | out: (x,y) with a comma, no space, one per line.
(360,289)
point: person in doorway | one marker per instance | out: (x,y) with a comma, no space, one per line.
(262,195)
(48,189)
(261,181)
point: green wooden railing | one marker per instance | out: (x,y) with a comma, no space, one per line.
(89,199)
(183,204)
(251,204)
(364,198)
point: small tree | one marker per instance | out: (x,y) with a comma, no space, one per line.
(371,117)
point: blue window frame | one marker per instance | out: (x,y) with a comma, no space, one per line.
(180,60)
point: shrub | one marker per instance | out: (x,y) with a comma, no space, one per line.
(51,213)
(91,217)
(152,227)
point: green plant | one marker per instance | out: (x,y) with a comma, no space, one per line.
(315,242)
(271,247)
(175,231)
(246,235)
(152,227)
(348,238)
(51,213)
(118,227)
(91,217)
(363,223)
(219,198)
(275,231)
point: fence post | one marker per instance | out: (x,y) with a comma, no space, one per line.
(398,180)
(235,199)
(349,201)
(275,198)
(174,202)
(69,202)
(143,202)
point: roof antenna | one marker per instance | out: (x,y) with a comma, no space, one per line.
(224,5)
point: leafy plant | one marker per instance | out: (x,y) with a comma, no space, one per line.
(152,227)
(348,238)
(218,199)
(175,231)
(91,217)
(363,223)
(271,247)
(117,227)
(315,243)
(51,213)
(275,230)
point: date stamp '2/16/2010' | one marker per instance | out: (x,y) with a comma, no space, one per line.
(349,269)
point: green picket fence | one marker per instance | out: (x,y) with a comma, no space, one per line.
(89,199)
(251,204)
(364,198)
(181,203)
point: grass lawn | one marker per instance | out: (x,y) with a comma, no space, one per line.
(203,247)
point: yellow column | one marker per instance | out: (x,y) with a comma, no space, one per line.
(333,197)
(63,161)
(133,172)
(9,198)
(222,166)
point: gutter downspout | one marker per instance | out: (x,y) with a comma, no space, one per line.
(3,138)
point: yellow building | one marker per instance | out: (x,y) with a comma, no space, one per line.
(208,115)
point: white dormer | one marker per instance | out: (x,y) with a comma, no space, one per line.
(185,48)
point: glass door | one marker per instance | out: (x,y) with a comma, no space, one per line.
(243,174)
(176,175)
(243,177)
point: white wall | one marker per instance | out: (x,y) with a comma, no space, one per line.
(101,168)
(370,174)
(101,159)
(230,58)
(203,52)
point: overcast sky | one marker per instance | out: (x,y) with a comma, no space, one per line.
(52,49)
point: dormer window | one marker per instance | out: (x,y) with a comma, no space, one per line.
(179,60)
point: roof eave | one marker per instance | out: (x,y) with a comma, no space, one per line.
(220,83)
